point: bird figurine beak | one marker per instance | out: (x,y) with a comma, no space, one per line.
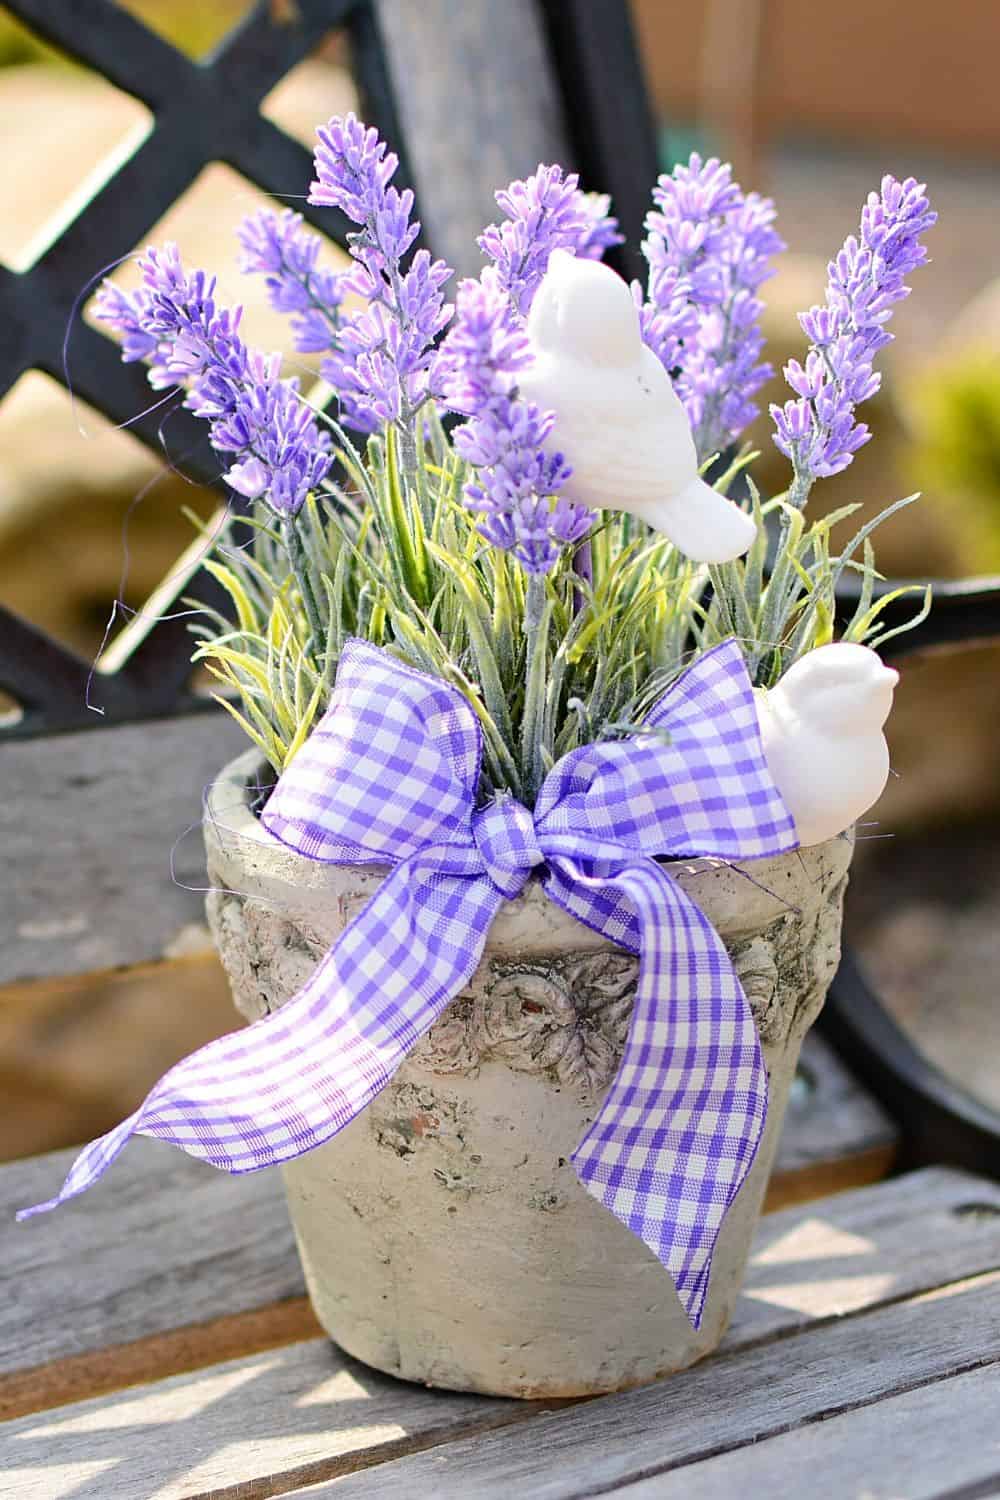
(882,688)
(619,422)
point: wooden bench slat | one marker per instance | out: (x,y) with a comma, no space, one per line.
(487,65)
(727,1402)
(934,1441)
(256,1426)
(99,1372)
(165,1242)
(161,1242)
(87,824)
(870,1246)
(273,1421)
(835,1136)
(297,1417)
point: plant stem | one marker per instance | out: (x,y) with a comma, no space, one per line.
(798,490)
(408,447)
(583,567)
(299,564)
(536,649)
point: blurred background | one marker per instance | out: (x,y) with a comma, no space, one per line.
(812,107)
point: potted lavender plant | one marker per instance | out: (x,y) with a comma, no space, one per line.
(531,881)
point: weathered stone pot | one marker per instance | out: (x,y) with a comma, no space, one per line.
(444,1236)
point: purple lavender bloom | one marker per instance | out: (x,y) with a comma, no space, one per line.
(516,483)
(601,233)
(545,212)
(686,233)
(668,321)
(279,454)
(125,312)
(353,168)
(485,346)
(382,357)
(709,248)
(278,247)
(818,431)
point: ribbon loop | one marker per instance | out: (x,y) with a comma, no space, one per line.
(504,831)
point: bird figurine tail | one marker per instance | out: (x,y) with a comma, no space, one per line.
(703,524)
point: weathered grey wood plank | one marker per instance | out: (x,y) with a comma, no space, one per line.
(865,1248)
(478,105)
(161,1242)
(87,824)
(835,1134)
(928,1443)
(255,1426)
(306,1414)
(726,1403)
(170,1242)
(164,1242)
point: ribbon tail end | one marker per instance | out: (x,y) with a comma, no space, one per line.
(38,1208)
(690,1277)
(693,1301)
(92,1162)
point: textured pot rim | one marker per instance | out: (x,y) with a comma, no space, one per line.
(754,894)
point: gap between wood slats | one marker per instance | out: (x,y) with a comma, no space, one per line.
(80,1377)
(361,1460)
(79,1053)
(862,1452)
(788,1189)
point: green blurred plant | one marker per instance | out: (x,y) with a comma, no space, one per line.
(956,452)
(190,25)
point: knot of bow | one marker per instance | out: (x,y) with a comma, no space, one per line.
(390,776)
(504,834)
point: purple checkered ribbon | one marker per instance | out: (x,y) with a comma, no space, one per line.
(389,776)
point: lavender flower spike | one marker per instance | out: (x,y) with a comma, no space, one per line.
(258,419)
(382,358)
(515,488)
(818,431)
(545,212)
(709,248)
(280,248)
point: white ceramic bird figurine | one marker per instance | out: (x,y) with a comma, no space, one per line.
(619,421)
(822,731)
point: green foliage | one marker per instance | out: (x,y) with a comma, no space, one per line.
(18,45)
(957,455)
(549,663)
(783,611)
(191,25)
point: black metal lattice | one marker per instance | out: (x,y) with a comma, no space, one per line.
(203,111)
(209,111)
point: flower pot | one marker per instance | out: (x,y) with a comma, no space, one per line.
(444,1235)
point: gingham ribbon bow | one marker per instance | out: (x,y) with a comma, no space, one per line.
(390,776)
